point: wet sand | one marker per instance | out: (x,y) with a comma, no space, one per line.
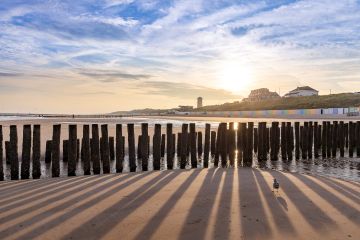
(181,204)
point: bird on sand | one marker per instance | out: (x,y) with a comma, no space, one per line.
(276,185)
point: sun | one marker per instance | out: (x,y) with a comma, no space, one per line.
(235,77)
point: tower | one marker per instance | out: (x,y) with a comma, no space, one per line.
(199,102)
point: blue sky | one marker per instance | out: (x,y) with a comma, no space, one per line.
(100,56)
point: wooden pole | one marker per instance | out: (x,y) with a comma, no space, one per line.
(193,145)
(169,145)
(14,161)
(289,141)
(86,149)
(65,150)
(357,129)
(223,144)
(119,149)
(72,150)
(329,139)
(112,148)
(179,145)
(48,150)
(256,141)
(283,141)
(1,155)
(310,140)
(341,139)
(157,147)
(163,141)
(95,148)
(200,144)
(334,138)
(231,143)
(207,145)
(144,146)
(26,152)
(305,139)
(105,153)
(131,145)
(316,140)
(55,153)
(213,142)
(323,139)
(297,140)
(184,147)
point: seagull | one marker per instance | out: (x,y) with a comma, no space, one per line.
(276,185)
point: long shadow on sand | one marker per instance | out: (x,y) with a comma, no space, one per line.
(319,221)
(110,217)
(198,216)
(276,206)
(255,223)
(345,209)
(163,212)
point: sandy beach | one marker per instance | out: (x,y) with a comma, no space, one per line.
(181,204)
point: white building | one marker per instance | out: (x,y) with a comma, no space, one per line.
(302,92)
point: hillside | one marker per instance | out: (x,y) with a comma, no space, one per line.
(323,101)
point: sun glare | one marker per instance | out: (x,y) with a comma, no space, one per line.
(235,77)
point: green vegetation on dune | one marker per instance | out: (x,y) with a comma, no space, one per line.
(311,102)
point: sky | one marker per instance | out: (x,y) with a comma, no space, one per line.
(100,56)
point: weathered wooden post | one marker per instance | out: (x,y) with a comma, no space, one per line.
(323,139)
(297,140)
(357,129)
(72,150)
(119,149)
(169,145)
(77,149)
(7,152)
(289,141)
(242,143)
(1,156)
(341,139)
(65,150)
(95,148)
(173,145)
(55,153)
(310,140)
(163,141)
(223,144)
(207,145)
(200,144)
(105,153)
(48,150)
(14,161)
(334,138)
(249,144)
(217,146)
(131,145)
(231,143)
(179,145)
(274,141)
(157,147)
(112,148)
(346,132)
(144,146)
(256,141)
(283,141)
(305,140)
(213,142)
(26,152)
(86,149)
(351,139)
(316,140)
(329,139)
(193,145)
(184,147)
(139,147)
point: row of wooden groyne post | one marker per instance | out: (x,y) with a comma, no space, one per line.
(232,143)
